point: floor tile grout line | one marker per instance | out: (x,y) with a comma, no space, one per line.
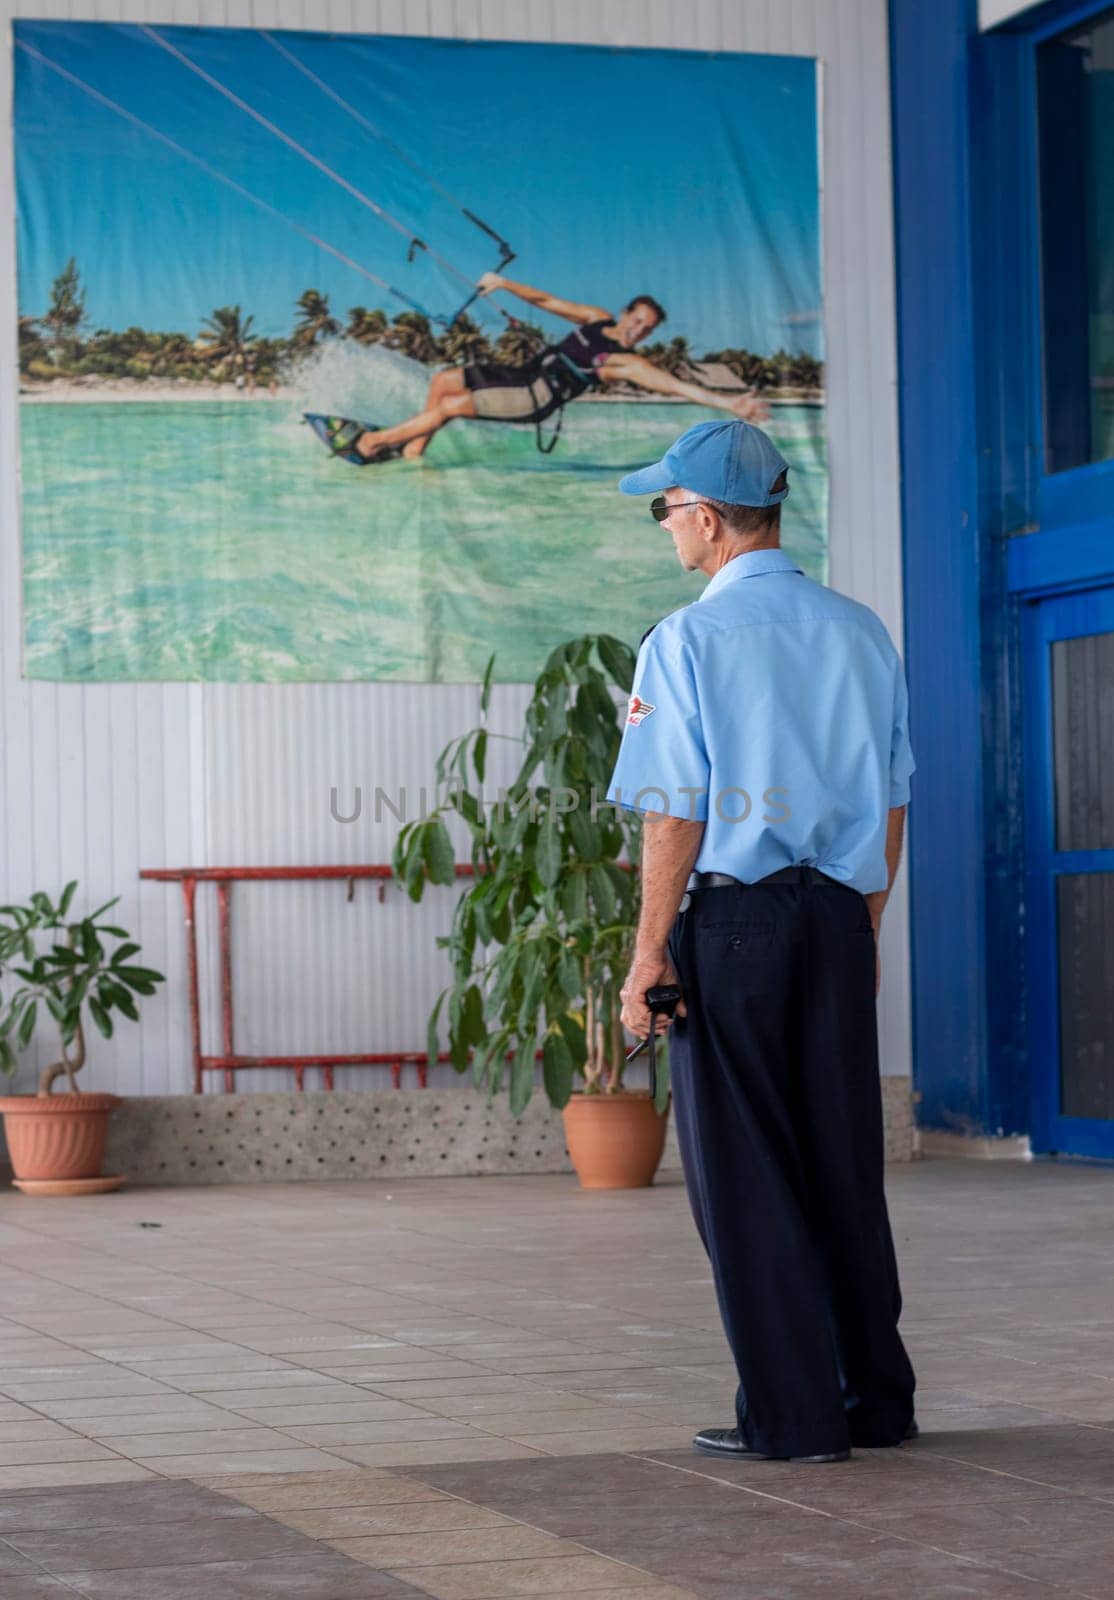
(45,1571)
(583,1547)
(139,1529)
(576,1549)
(247,1349)
(848,1521)
(709,1477)
(586,1588)
(479,1431)
(512,1330)
(561,1380)
(983,1562)
(1020,1477)
(295,1442)
(187,1278)
(977,1562)
(940,1455)
(517,1521)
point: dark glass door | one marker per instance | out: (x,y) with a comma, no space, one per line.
(1075,119)
(1069,661)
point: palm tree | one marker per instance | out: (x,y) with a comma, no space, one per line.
(315,320)
(225,336)
(410,333)
(672,357)
(781,361)
(805,372)
(366,327)
(172,351)
(270,356)
(32,345)
(66,312)
(518,343)
(759,371)
(464,341)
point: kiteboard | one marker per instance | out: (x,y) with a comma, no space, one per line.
(339,435)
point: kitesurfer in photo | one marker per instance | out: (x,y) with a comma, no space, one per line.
(599,351)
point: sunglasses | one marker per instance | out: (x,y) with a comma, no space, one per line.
(660,508)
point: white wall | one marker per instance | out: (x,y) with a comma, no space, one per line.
(992,12)
(100,780)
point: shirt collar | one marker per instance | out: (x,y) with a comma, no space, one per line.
(751,564)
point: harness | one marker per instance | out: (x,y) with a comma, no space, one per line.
(566,382)
(564,376)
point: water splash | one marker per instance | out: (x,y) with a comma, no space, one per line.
(356,380)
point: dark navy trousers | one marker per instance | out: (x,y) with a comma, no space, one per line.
(778,1108)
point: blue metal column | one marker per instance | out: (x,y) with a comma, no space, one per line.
(985,535)
(930,60)
(1006,359)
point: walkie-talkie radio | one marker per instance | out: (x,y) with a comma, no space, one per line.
(662,1000)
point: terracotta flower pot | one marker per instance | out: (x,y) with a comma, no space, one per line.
(57,1136)
(615,1140)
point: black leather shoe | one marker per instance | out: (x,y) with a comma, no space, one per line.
(726,1442)
(912,1431)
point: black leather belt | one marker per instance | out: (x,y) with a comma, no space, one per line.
(724,880)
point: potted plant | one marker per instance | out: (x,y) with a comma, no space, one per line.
(56,1142)
(541,939)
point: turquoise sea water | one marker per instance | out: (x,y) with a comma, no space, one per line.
(216,540)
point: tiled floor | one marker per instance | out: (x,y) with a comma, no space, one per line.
(481,1388)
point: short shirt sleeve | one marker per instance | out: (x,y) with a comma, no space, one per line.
(663,765)
(902,765)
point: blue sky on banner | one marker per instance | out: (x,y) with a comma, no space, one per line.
(691,177)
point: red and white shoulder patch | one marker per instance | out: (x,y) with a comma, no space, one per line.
(638,710)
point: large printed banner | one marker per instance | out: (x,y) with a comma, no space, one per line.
(333,349)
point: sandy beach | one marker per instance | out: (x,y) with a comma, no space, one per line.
(99,391)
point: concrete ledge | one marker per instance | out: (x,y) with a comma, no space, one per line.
(393,1133)
(897,1118)
(937,1142)
(268,1138)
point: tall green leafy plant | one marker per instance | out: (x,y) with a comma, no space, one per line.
(79,973)
(542,937)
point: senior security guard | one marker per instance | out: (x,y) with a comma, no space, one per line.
(767,745)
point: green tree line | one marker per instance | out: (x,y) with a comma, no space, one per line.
(226,349)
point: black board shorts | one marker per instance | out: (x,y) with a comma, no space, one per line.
(527,393)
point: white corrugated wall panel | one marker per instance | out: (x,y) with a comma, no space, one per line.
(100,780)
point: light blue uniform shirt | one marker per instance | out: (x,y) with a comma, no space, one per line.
(776,711)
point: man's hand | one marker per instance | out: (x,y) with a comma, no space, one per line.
(750,408)
(876,899)
(489,283)
(648,969)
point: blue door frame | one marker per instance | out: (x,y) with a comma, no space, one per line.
(985,533)
(1066,617)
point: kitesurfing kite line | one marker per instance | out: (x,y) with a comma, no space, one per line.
(599,351)
(215,173)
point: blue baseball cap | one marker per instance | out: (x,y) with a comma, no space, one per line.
(730,461)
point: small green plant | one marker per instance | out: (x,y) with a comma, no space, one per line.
(541,939)
(76,972)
